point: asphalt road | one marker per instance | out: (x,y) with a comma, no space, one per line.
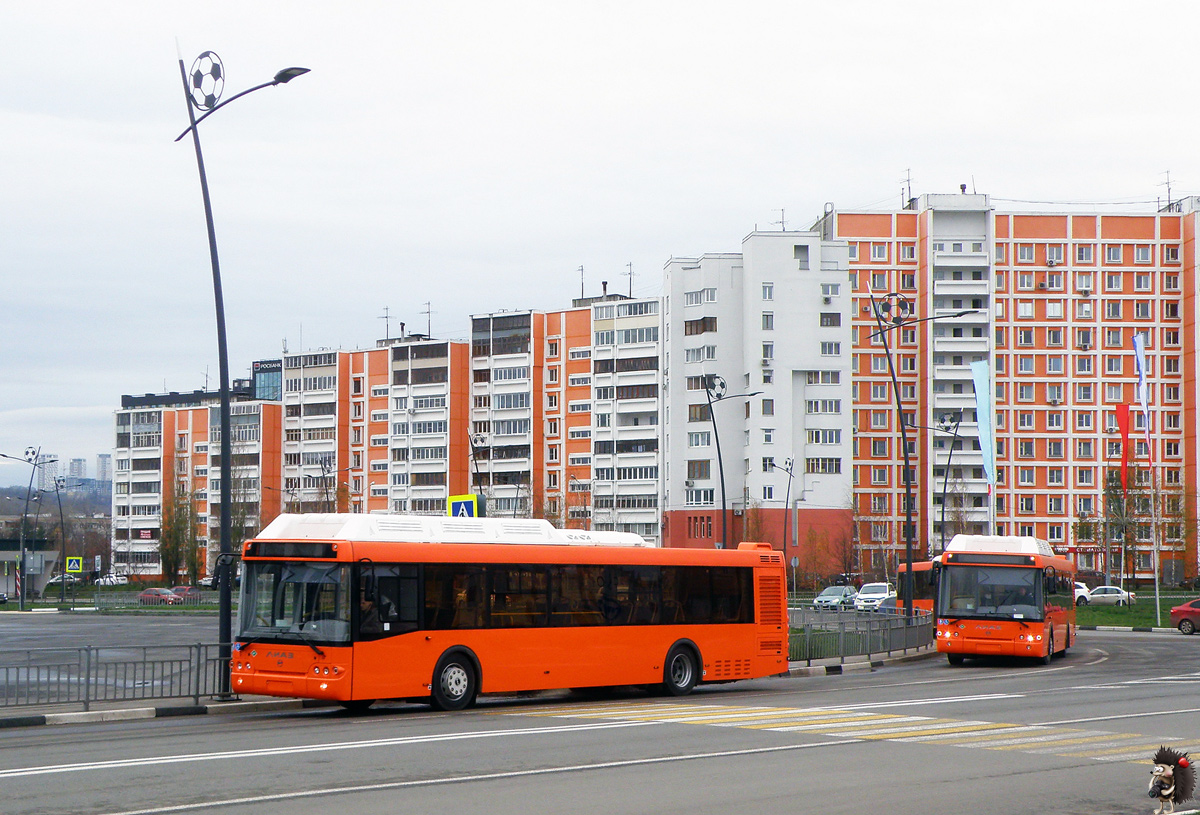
(995,737)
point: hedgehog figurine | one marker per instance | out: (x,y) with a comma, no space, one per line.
(1172,781)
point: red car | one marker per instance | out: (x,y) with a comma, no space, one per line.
(190,594)
(158,597)
(1186,617)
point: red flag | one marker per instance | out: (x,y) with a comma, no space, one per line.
(1123,425)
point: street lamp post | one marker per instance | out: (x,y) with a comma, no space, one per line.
(59,484)
(946,424)
(716,391)
(32,457)
(892,311)
(202,91)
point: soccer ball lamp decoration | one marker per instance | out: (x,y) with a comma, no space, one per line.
(894,308)
(207,80)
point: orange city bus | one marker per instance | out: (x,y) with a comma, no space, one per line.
(356,608)
(1004,596)
(924,585)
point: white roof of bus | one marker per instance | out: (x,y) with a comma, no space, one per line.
(1014,544)
(437,529)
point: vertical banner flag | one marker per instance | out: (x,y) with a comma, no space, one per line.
(981,374)
(1123,426)
(1139,352)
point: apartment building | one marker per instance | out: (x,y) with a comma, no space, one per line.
(626,410)
(167,457)
(768,331)
(1051,302)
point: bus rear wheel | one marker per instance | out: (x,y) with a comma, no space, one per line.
(455,684)
(681,672)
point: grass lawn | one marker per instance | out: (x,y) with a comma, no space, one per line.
(1139,614)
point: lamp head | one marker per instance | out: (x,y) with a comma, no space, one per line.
(288,74)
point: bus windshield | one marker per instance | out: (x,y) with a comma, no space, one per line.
(301,602)
(990,592)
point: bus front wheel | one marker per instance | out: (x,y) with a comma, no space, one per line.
(954,659)
(681,673)
(455,684)
(1049,651)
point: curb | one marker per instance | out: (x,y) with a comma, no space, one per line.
(130,714)
(837,669)
(1144,629)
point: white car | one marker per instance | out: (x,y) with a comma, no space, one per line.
(113,580)
(1081,594)
(1111,596)
(872,594)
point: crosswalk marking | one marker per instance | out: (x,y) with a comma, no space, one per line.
(858,722)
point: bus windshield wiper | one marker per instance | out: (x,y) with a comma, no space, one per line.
(309,642)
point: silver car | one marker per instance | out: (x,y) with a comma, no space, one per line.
(835,598)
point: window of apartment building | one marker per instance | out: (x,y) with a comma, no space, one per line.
(1171,393)
(1083,309)
(831,349)
(1025,309)
(1054,394)
(1142,310)
(879,252)
(1054,253)
(1112,309)
(1054,337)
(1054,309)
(1083,365)
(1170,254)
(1114,393)
(1112,253)
(1083,392)
(1025,365)
(1025,253)
(1025,504)
(768,407)
(1142,282)
(1025,281)
(1083,253)
(1025,392)
(1112,337)
(1025,476)
(1170,311)
(1142,253)
(879,475)
(908,251)
(1054,420)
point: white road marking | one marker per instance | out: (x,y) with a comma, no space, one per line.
(25,772)
(463,779)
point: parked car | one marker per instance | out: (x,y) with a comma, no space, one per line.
(871,594)
(209,582)
(1081,593)
(890,605)
(835,598)
(113,580)
(3,598)
(69,579)
(1110,596)
(1186,617)
(190,594)
(159,597)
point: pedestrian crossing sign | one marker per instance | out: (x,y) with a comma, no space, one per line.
(75,565)
(466,506)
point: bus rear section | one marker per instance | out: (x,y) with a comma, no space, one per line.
(395,619)
(1003,596)
(924,585)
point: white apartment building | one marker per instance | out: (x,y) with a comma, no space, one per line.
(769,329)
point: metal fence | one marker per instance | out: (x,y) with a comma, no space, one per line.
(833,634)
(91,675)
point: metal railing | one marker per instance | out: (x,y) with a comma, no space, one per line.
(828,634)
(93,675)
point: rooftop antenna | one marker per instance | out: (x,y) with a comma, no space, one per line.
(428,312)
(782,221)
(907,185)
(387,325)
(581,282)
(629,266)
(1167,184)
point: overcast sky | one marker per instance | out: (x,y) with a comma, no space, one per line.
(474,155)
